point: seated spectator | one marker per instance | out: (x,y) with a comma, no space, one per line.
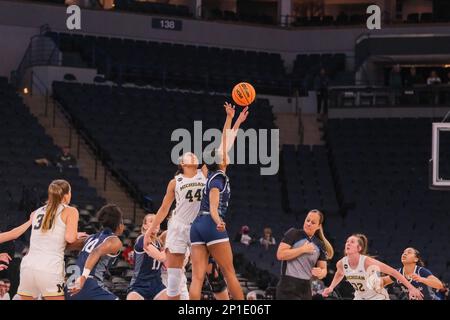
(66,159)
(245,238)
(433,78)
(267,239)
(5,285)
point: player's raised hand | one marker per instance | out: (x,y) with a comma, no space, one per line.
(243,115)
(229,109)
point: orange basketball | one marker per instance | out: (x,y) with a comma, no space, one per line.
(243,94)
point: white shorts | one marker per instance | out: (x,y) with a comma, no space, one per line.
(35,283)
(178,237)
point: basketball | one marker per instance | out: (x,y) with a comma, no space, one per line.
(243,94)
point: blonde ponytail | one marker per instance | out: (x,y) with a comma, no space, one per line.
(328,247)
(363,243)
(56,192)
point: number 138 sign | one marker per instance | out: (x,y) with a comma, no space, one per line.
(167,24)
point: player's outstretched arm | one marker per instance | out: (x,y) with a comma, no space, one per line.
(430,281)
(162,212)
(15,233)
(414,293)
(338,276)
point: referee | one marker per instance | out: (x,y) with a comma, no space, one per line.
(303,254)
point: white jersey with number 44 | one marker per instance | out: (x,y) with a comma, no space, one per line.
(188,196)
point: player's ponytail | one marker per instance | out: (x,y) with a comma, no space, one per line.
(419,262)
(56,192)
(328,247)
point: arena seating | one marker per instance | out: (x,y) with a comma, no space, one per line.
(23,184)
(309,182)
(307,66)
(381,168)
(134,128)
(173,65)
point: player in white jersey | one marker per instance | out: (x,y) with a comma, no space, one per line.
(186,189)
(52,227)
(362,273)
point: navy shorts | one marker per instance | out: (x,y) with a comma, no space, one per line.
(92,290)
(203,231)
(148,290)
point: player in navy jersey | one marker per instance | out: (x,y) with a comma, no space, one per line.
(208,234)
(99,252)
(146,283)
(414,271)
(186,190)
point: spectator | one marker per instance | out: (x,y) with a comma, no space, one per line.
(413,78)
(395,78)
(433,78)
(5,285)
(66,159)
(128,253)
(321,83)
(267,239)
(245,238)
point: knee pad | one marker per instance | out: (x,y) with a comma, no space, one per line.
(174,278)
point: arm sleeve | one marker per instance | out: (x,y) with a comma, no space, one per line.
(289,237)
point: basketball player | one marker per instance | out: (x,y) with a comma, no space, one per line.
(208,234)
(97,255)
(421,278)
(304,254)
(146,283)
(357,267)
(186,189)
(53,226)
